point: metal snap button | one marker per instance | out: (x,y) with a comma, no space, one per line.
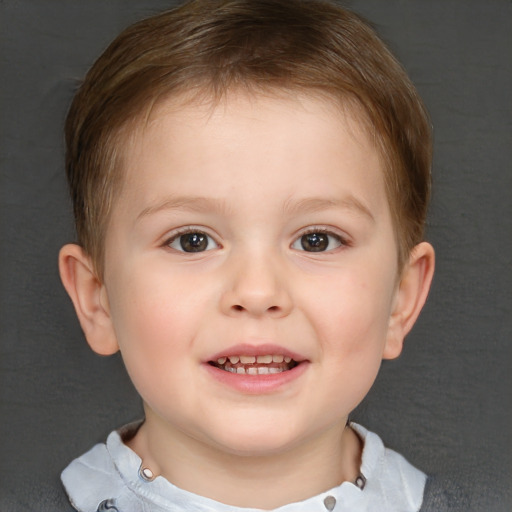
(360,481)
(107,506)
(330,503)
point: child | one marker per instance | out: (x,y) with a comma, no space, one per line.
(250,181)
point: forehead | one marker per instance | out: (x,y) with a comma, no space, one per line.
(199,140)
(272,111)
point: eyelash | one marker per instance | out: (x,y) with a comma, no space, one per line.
(342,240)
(188,230)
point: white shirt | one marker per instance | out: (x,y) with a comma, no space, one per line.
(108,476)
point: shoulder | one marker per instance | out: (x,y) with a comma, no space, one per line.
(401,486)
(392,482)
(95,477)
(443,495)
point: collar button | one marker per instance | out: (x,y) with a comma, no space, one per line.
(330,503)
(107,506)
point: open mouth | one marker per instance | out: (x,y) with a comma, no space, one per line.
(255,365)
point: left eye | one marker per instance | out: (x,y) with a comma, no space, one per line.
(194,241)
(317,241)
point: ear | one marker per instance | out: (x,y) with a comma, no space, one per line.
(411,294)
(89,298)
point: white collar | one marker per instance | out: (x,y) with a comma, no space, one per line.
(110,471)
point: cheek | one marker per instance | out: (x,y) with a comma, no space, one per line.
(352,343)
(154,304)
(352,312)
(155,326)
(351,323)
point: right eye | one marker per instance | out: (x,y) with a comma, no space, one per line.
(192,241)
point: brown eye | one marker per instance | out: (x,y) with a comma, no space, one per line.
(194,241)
(317,241)
(314,242)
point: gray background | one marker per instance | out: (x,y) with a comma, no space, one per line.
(446,403)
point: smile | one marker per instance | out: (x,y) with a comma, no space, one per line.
(255,365)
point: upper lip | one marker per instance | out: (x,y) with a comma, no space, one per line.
(247,349)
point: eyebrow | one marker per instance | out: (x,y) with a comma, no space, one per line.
(316,204)
(290,207)
(190,203)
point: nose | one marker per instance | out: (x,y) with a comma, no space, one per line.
(257,285)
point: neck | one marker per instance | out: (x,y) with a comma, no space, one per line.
(264,481)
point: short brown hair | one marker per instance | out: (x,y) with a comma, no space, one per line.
(214,46)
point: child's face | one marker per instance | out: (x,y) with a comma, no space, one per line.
(258,228)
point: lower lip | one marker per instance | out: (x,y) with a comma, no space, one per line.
(256,384)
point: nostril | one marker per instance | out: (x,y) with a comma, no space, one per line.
(270,309)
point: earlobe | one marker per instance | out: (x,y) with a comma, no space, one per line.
(89,298)
(410,297)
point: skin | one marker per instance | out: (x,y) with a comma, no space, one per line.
(254,174)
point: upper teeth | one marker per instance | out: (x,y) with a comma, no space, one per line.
(266,359)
